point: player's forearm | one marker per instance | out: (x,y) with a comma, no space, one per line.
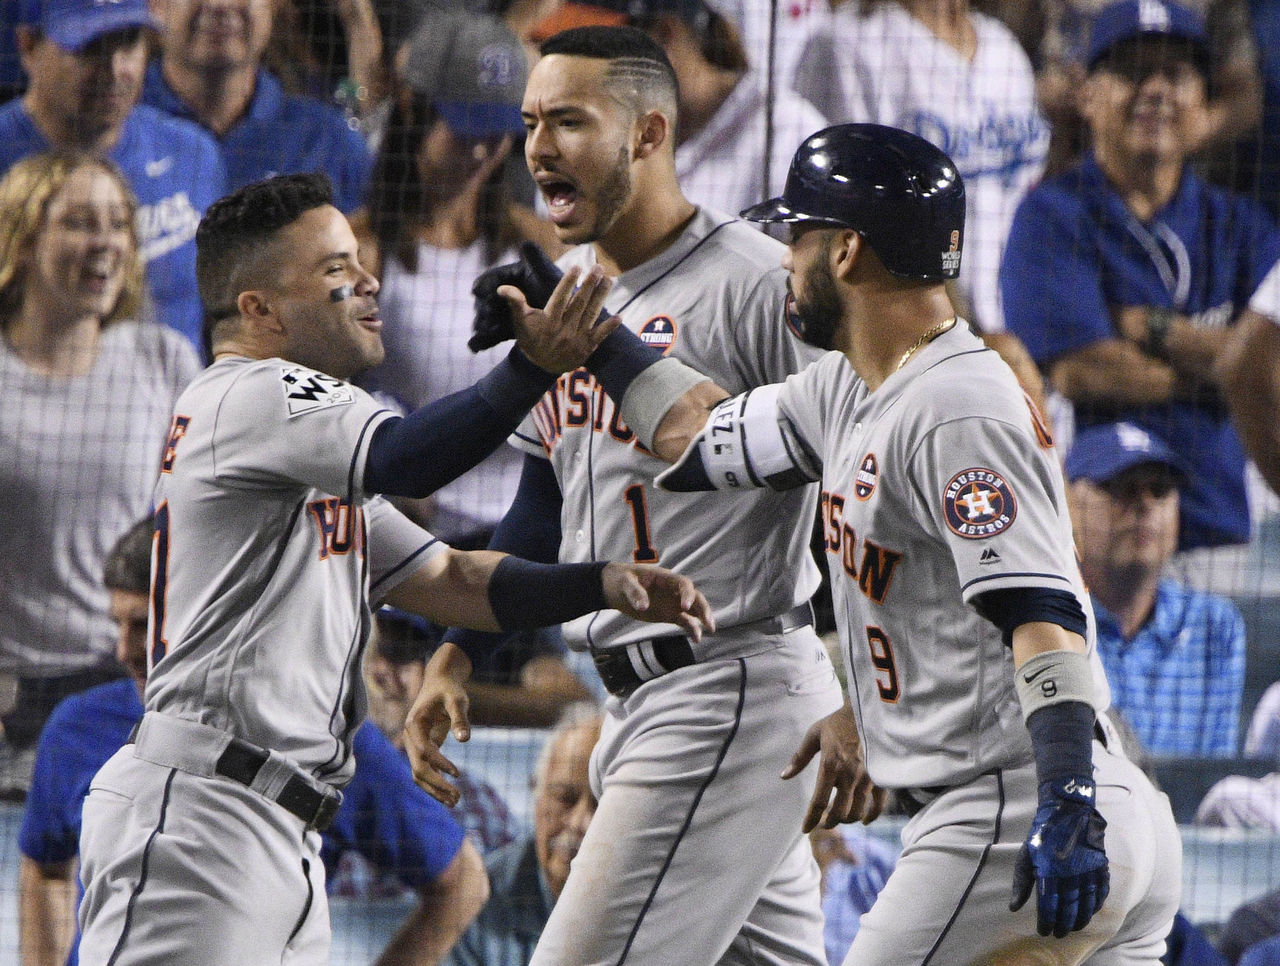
(447,908)
(47,912)
(520,706)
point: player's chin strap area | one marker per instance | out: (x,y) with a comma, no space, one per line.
(745,443)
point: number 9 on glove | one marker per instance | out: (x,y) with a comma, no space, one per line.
(1063,858)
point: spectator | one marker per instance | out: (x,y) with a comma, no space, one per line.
(1263,161)
(1263,738)
(384,815)
(527,876)
(732,145)
(1235,95)
(87,395)
(84,63)
(210,72)
(1174,656)
(441,214)
(1186,945)
(958,78)
(1123,275)
(1252,923)
(1247,371)
(393,666)
(854,868)
(1238,802)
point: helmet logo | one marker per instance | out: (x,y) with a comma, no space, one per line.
(951,257)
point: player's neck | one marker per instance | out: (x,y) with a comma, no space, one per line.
(218,98)
(1146,185)
(1128,594)
(649,225)
(64,131)
(887,327)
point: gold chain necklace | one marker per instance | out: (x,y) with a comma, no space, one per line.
(925,339)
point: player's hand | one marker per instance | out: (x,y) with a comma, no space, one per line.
(1063,858)
(441,706)
(561,336)
(658,595)
(844,792)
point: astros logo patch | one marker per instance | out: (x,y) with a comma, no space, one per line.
(659,332)
(978,503)
(864,481)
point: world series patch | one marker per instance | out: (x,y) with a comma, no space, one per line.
(306,390)
(864,481)
(659,333)
(978,503)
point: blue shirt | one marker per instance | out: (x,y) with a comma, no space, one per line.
(849,889)
(281,134)
(384,815)
(1265,953)
(1180,680)
(176,172)
(1075,251)
(508,927)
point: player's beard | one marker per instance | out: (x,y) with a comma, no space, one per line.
(613,194)
(819,311)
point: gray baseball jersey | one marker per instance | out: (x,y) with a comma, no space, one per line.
(268,551)
(937,487)
(714,300)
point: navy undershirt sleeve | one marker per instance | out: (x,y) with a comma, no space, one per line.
(530,529)
(416,455)
(1012,607)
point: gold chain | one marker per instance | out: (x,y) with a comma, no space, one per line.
(925,339)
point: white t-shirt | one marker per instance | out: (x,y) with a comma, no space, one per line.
(889,68)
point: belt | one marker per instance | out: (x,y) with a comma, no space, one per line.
(913,800)
(243,762)
(625,668)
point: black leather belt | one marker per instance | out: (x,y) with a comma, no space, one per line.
(913,800)
(660,655)
(241,762)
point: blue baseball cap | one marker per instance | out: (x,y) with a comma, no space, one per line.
(1101,453)
(472,68)
(1146,18)
(74,24)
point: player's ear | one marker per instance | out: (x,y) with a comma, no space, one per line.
(651,132)
(845,251)
(258,307)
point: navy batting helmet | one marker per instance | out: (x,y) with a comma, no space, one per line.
(902,194)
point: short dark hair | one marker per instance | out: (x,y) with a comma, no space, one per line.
(639,72)
(235,230)
(128,565)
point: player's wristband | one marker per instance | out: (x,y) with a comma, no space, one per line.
(1062,737)
(524,594)
(1053,677)
(643,382)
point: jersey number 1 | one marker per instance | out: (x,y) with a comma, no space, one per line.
(644,552)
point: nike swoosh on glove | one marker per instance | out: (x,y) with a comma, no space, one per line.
(533,273)
(1063,858)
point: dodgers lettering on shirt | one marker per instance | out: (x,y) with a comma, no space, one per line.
(176,172)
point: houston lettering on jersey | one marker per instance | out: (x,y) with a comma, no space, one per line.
(569,404)
(341,526)
(177,429)
(874,572)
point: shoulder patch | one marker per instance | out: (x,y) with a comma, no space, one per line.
(306,390)
(864,481)
(659,333)
(978,503)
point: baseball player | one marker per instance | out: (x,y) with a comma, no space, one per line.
(696,735)
(964,625)
(200,839)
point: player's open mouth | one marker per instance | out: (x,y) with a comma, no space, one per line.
(371,321)
(561,196)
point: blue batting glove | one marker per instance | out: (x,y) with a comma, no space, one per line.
(1063,858)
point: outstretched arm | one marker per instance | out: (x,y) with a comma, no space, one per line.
(447,907)
(1248,374)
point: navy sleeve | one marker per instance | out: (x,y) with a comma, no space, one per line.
(1012,607)
(416,455)
(530,529)
(389,820)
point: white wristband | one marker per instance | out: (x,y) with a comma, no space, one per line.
(1054,677)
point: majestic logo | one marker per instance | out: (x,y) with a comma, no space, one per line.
(978,503)
(864,481)
(305,391)
(989,556)
(659,332)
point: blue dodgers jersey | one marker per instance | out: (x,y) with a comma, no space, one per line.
(282,134)
(175,170)
(1075,251)
(397,826)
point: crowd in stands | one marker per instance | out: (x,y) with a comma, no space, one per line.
(1122,166)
